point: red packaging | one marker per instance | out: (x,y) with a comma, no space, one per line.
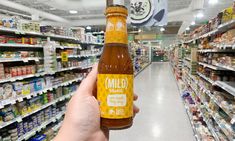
(19,71)
(24,70)
(3,39)
(13,71)
(25,40)
(33,41)
(29,69)
(11,40)
(18,40)
(24,54)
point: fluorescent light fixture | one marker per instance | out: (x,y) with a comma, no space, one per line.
(88,28)
(213,2)
(187,28)
(193,23)
(200,15)
(73,11)
(162,29)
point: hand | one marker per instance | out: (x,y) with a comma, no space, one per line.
(82,118)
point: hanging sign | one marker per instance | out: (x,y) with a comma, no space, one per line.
(148,12)
(64,56)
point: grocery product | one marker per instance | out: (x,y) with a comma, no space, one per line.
(116,109)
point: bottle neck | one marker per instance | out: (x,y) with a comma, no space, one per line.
(116,29)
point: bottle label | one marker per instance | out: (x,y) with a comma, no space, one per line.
(115,94)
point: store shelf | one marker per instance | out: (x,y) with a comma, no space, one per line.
(188,59)
(219,29)
(2,60)
(20,98)
(57,127)
(145,66)
(198,138)
(80,56)
(221,124)
(20,46)
(68,47)
(42,126)
(211,66)
(229,68)
(206,78)
(224,47)
(87,67)
(215,50)
(13,79)
(208,92)
(227,86)
(17,31)
(20,118)
(66,69)
(209,126)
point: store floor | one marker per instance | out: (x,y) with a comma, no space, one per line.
(162,116)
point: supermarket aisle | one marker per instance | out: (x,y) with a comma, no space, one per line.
(162,116)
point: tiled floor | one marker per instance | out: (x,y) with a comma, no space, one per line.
(162,116)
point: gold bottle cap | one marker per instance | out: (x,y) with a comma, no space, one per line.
(116,9)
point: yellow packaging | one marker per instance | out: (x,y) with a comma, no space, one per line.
(228,15)
(115,94)
(64,56)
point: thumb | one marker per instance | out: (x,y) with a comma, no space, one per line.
(88,84)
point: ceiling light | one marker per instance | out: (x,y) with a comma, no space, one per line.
(73,11)
(213,2)
(200,15)
(88,28)
(162,29)
(187,28)
(193,23)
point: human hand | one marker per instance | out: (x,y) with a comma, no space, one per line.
(82,118)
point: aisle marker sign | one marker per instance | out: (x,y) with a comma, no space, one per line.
(64,56)
(149,12)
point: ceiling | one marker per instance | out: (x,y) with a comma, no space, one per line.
(86,8)
(90,12)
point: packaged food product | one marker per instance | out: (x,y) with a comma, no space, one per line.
(11,40)
(17,87)
(2,39)
(8,91)
(24,70)
(2,71)
(29,69)
(1,92)
(26,88)
(19,71)
(13,71)
(38,84)
(9,22)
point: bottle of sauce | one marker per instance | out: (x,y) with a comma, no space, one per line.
(115,72)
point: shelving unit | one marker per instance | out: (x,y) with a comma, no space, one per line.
(140,56)
(211,89)
(87,53)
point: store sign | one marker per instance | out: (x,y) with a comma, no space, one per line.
(64,56)
(148,12)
